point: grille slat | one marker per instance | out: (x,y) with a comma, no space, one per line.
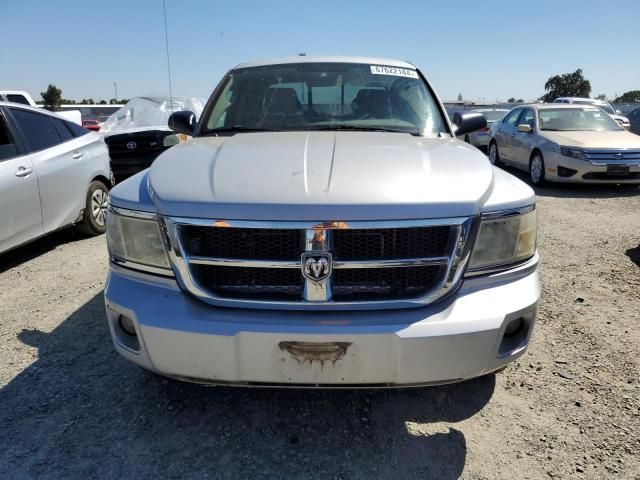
(242,243)
(390,243)
(255,283)
(384,283)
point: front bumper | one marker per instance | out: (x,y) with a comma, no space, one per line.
(457,338)
(586,172)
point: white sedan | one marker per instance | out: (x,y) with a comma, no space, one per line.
(53,173)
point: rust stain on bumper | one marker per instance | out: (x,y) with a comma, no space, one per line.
(315,351)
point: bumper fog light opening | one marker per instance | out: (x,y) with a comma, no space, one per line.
(126,334)
(513,327)
(127,326)
(515,336)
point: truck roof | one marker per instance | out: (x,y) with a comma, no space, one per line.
(327,59)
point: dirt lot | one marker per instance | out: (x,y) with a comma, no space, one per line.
(570,408)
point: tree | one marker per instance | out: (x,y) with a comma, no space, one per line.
(511,100)
(520,100)
(632,96)
(52,97)
(566,85)
(459,97)
(602,96)
(103,102)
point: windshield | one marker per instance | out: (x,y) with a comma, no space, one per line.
(605,107)
(493,115)
(576,119)
(325,96)
(602,106)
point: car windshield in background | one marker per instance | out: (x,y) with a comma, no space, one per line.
(492,115)
(325,96)
(576,119)
(605,107)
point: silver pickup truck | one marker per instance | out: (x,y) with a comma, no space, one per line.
(324,227)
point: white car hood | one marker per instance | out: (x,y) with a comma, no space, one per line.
(320,176)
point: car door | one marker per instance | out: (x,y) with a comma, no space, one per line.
(57,160)
(20,214)
(506,132)
(522,141)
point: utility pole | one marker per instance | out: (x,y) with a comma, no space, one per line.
(115,87)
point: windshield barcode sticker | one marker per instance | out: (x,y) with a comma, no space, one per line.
(398,72)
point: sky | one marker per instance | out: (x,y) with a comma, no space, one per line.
(489,50)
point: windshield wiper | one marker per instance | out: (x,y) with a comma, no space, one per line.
(360,128)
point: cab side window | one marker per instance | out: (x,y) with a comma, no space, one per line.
(62,129)
(8,147)
(38,129)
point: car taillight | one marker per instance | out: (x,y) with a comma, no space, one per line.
(485,129)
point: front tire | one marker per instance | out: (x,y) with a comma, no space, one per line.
(95,210)
(494,156)
(536,170)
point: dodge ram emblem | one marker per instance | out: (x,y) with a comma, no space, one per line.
(316,266)
(131,145)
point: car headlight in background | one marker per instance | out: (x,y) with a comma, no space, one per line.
(135,239)
(572,152)
(504,239)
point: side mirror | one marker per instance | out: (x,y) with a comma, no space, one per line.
(468,122)
(525,128)
(618,112)
(183,122)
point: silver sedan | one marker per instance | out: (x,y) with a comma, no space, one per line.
(566,143)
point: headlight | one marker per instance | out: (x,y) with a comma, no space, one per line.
(572,152)
(504,240)
(135,237)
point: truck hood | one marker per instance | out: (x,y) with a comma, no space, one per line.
(320,176)
(617,140)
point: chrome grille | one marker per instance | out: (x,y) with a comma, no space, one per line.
(613,156)
(372,264)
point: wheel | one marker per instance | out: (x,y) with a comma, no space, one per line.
(536,169)
(95,210)
(494,156)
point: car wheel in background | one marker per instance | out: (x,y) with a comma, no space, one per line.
(536,169)
(494,156)
(95,210)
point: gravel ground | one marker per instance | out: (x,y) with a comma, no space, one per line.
(70,407)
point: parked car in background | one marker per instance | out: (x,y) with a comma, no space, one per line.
(324,227)
(138,132)
(601,104)
(634,121)
(53,173)
(93,125)
(17,96)
(566,143)
(480,138)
